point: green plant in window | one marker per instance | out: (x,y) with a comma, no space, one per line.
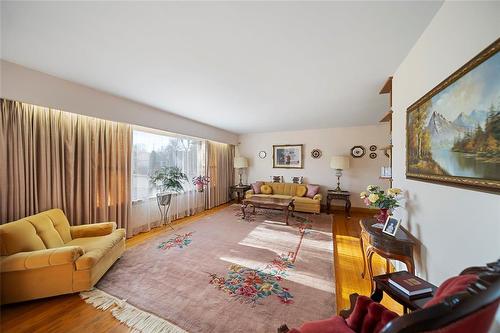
(169,179)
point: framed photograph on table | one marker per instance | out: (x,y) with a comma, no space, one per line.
(391,225)
(288,156)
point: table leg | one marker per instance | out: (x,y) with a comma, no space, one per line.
(293,208)
(243,206)
(348,208)
(377,295)
(364,257)
(328,204)
(286,210)
(410,265)
(369,257)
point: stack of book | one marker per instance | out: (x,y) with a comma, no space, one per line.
(410,285)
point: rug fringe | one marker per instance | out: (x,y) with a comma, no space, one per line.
(137,319)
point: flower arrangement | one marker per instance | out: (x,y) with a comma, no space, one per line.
(200,182)
(378,198)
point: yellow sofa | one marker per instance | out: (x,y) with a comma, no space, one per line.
(42,255)
(288,191)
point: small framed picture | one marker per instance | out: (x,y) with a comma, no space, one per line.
(391,225)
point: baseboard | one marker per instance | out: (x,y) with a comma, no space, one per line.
(364,210)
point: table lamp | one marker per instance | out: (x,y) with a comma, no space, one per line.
(240,163)
(339,163)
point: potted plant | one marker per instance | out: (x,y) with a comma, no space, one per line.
(200,182)
(386,201)
(169,180)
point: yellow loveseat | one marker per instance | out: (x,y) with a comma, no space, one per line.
(42,255)
(291,190)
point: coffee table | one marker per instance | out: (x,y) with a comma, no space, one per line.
(286,205)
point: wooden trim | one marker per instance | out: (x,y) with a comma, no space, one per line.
(387,117)
(387,87)
(338,208)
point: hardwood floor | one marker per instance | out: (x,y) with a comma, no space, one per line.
(69,313)
(349,262)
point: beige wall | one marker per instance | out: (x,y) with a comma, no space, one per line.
(457,227)
(332,141)
(30,86)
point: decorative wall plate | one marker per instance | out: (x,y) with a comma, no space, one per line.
(316,153)
(262,154)
(373,148)
(373,155)
(358,151)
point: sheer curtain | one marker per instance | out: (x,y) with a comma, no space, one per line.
(152,150)
(56,159)
(220,168)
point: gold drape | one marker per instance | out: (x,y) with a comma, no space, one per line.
(55,159)
(220,169)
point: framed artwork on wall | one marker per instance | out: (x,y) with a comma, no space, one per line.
(288,156)
(453,132)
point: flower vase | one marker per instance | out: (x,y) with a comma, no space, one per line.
(382,215)
(199,187)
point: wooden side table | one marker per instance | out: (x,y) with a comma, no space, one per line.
(382,285)
(240,191)
(398,247)
(339,195)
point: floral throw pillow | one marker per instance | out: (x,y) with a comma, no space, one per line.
(312,190)
(256,187)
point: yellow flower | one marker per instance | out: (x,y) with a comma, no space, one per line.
(370,187)
(266,287)
(363,195)
(393,191)
(373,197)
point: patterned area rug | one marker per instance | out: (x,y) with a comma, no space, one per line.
(225,274)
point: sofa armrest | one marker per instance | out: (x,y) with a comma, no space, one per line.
(42,258)
(92,230)
(318,197)
(249,193)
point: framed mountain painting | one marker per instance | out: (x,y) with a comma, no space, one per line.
(453,132)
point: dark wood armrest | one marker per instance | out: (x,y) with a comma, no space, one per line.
(347,312)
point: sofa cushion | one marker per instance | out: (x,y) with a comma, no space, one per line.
(281,196)
(256,187)
(306,200)
(284,188)
(301,190)
(312,190)
(45,230)
(266,189)
(60,222)
(95,248)
(19,236)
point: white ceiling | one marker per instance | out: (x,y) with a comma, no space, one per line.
(241,66)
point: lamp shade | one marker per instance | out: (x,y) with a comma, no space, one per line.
(339,162)
(240,162)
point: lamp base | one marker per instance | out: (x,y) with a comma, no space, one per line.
(339,174)
(241,174)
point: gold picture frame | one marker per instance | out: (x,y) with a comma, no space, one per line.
(452,140)
(288,156)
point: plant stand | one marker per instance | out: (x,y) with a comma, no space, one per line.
(164,200)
